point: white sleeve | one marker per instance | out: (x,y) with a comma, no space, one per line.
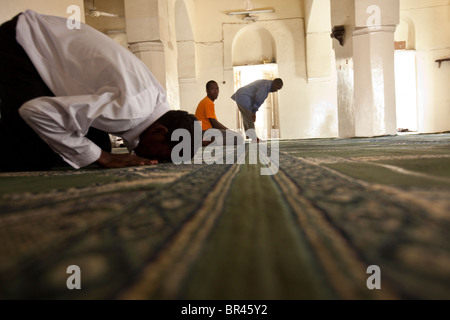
(63,122)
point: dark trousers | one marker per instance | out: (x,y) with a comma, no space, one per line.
(21,148)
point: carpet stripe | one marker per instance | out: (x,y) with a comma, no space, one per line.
(342,265)
(434,209)
(256,251)
(182,251)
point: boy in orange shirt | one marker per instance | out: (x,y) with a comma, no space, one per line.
(207,115)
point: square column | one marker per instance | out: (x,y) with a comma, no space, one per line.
(152,53)
(145,35)
(364,49)
(373,62)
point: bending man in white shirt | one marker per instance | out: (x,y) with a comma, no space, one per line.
(63,91)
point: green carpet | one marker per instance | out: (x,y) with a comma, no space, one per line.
(199,231)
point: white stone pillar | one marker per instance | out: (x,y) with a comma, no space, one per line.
(145,35)
(153,55)
(373,62)
(365,62)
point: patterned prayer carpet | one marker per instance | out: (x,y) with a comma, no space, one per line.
(224,231)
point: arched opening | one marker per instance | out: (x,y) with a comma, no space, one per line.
(253,45)
(254,58)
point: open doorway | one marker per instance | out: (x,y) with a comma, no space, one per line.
(406,91)
(267,117)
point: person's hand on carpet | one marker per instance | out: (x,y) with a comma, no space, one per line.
(108,160)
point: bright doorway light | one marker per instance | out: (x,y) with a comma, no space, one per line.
(406,90)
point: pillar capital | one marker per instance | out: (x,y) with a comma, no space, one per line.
(371,30)
(152,53)
(146,46)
